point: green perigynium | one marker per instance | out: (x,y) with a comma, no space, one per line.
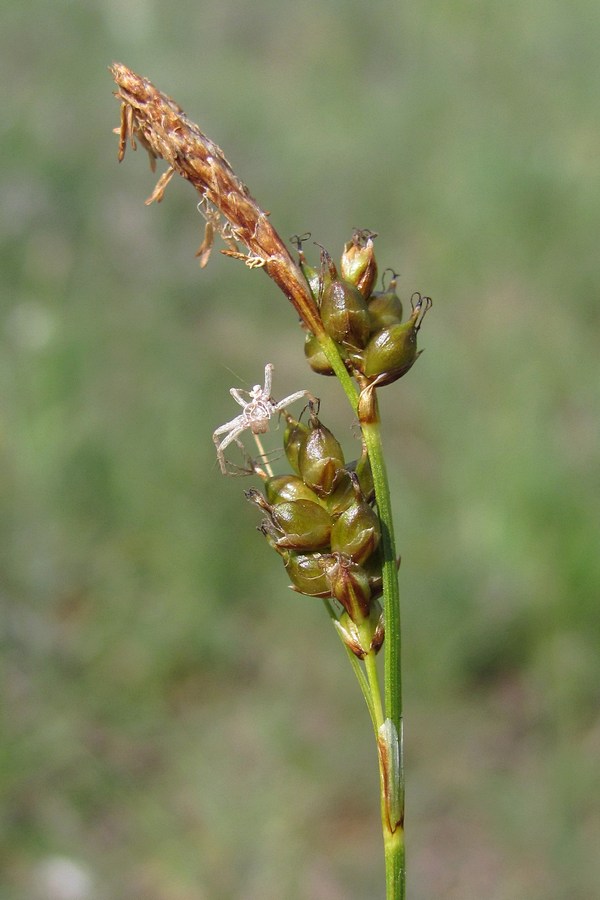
(320,459)
(343,309)
(358,264)
(392,350)
(385,307)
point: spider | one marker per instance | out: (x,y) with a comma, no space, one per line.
(257,408)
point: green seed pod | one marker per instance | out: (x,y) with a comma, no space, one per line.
(370,635)
(350,635)
(362,469)
(349,487)
(294,524)
(385,307)
(344,310)
(307,575)
(358,264)
(316,357)
(356,532)
(320,459)
(288,487)
(376,618)
(294,437)
(271,534)
(304,525)
(373,566)
(311,274)
(349,585)
(343,495)
(374,569)
(392,351)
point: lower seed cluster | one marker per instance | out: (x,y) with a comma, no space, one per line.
(320,520)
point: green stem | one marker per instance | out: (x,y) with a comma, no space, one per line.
(363,681)
(393,832)
(337,364)
(395,871)
(371,668)
(391,592)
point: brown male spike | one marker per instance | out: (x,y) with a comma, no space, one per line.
(164,130)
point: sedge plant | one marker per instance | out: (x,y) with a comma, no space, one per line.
(328,520)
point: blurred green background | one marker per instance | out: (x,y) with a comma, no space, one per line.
(177,725)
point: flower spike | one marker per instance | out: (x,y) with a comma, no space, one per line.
(165,132)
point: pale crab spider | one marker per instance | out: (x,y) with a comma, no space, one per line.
(258,407)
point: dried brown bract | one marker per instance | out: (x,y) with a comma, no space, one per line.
(163,129)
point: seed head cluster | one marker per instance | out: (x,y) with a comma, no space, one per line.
(366,324)
(320,519)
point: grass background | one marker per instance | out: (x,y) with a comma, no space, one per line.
(176,724)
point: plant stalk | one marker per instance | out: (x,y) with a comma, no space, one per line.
(393,832)
(155,121)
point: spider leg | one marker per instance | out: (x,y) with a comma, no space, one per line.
(268,379)
(299,395)
(235,425)
(249,466)
(231,438)
(238,396)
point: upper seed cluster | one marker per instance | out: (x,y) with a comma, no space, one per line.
(377,347)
